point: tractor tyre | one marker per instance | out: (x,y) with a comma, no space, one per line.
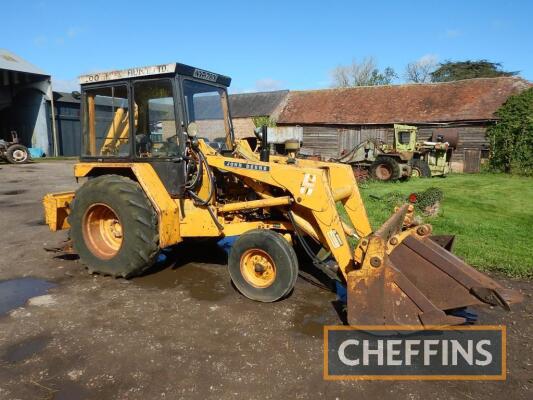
(263,265)
(114,227)
(385,169)
(420,169)
(17,154)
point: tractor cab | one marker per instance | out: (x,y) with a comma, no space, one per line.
(144,114)
(404,138)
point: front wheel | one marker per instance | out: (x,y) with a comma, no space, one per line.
(420,169)
(17,154)
(263,265)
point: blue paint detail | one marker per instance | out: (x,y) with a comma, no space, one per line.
(340,289)
(470,317)
(226,243)
(36,152)
(164,257)
(161,257)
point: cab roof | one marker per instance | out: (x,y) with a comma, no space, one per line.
(154,70)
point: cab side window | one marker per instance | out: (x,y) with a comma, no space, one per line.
(155,127)
(106,128)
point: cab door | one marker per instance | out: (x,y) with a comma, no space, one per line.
(157,134)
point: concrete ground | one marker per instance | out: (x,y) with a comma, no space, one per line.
(183,331)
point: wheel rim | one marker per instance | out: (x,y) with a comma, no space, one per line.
(415,173)
(102,231)
(383,172)
(19,155)
(257,268)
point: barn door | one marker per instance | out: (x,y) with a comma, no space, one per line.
(472,161)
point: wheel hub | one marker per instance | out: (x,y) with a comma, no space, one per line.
(19,155)
(258,268)
(102,231)
(383,172)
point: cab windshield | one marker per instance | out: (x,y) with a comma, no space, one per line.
(207,106)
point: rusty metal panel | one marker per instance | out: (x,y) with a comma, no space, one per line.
(281,134)
(450,135)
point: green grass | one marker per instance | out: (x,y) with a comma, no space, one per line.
(490,214)
(47,159)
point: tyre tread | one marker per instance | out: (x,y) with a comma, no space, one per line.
(128,192)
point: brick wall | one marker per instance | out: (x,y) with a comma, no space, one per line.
(243,127)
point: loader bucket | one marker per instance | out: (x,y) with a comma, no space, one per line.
(418,282)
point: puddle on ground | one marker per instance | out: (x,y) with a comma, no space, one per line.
(23,350)
(310,319)
(71,391)
(13,192)
(201,283)
(15,292)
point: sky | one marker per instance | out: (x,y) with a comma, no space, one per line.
(264,45)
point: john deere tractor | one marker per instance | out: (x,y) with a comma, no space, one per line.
(149,182)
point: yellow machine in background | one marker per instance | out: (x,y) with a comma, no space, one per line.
(150,182)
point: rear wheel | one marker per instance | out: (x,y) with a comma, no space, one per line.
(385,169)
(17,154)
(114,227)
(420,169)
(263,265)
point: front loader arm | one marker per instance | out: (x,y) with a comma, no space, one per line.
(313,195)
(395,275)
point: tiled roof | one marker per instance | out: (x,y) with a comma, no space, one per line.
(466,100)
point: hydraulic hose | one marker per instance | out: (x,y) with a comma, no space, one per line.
(189,186)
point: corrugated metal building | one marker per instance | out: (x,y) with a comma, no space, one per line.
(335,120)
(24,92)
(67,117)
(245,107)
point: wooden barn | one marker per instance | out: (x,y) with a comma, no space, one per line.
(336,120)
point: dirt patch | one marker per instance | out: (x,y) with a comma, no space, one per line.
(183,332)
(36,222)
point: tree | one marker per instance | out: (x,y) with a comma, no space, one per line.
(365,73)
(420,71)
(260,121)
(511,138)
(457,70)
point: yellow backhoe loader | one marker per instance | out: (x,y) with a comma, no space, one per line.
(150,182)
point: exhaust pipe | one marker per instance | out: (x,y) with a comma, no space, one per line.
(265,147)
